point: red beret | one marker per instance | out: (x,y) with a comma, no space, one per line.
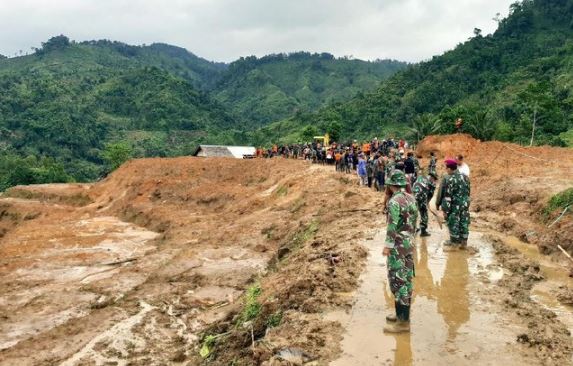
(451,163)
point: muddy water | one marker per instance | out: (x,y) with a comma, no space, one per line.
(451,321)
(555,275)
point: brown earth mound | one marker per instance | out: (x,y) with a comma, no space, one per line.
(163,248)
(446,146)
(511,186)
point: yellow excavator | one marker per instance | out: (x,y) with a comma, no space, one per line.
(324,140)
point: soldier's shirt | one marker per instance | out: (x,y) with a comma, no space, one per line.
(402,216)
(422,189)
(456,192)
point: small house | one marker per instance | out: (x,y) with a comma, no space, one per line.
(220,151)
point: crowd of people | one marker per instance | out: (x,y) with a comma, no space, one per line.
(318,153)
(410,194)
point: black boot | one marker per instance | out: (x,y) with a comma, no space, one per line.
(402,324)
(405,313)
(425,233)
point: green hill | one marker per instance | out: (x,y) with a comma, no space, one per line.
(69,108)
(178,61)
(267,89)
(74,111)
(499,84)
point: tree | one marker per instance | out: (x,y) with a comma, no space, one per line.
(424,125)
(481,125)
(334,130)
(55,43)
(116,154)
(308,133)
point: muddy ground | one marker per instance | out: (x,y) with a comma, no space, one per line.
(133,269)
(227,262)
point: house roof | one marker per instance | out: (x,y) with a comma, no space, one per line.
(224,151)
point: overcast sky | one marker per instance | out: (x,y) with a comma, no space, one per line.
(223,30)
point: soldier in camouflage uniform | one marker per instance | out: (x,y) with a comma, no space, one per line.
(390,164)
(454,200)
(432,167)
(418,168)
(399,248)
(423,190)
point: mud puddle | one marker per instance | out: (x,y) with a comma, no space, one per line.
(555,275)
(452,320)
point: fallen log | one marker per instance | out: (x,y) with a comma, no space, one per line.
(565,252)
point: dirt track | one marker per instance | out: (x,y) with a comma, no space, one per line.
(138,268)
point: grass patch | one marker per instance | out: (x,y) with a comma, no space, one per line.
(207,345)
(302,236)
(559,202)
(252,307)
(275,319)
(281,191)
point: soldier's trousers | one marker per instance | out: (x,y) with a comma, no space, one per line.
(400,276)
(459,224)
(423,209)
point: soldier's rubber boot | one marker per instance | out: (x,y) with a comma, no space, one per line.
(450,245)
(464,244)
(402,324)
(425,233)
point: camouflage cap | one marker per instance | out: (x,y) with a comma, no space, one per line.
(397,178)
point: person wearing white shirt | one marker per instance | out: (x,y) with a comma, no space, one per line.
(463,167)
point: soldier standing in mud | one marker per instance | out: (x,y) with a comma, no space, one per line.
(454,200)
(423,190)
(399,248)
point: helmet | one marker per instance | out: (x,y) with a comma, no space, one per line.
(397,178)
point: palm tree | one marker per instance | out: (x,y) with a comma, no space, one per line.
(424,125)
(482,125)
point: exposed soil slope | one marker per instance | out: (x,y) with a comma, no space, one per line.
(161,249)
(511,186)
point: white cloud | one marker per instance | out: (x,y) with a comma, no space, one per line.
(224,30)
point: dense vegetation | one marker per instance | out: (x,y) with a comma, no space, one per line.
(73,102)
(74,111)
(267,89)
(501,85)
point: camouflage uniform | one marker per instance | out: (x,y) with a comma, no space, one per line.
(432,166)
(423,190)
(417,165)
(389,167)
(454,200)
(402,216)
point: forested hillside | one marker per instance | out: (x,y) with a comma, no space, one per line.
(74,111)
(500,84)
(267,89)
(71,111)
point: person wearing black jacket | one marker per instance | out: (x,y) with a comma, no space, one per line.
(410,168)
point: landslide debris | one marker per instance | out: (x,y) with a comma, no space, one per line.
(162,250)
(550,339)
(512,186)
